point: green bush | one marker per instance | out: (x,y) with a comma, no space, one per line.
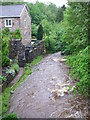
(5,60)
(10,117)
(5,32)
(28,69)
(5,47)
(2,78)
(15,67)
(6,37)
(17,34)
(34,29)
(11,71)
(75,28)
(75,36)
(53,36)
(79,72)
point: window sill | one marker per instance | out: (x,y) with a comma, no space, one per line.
(8,26)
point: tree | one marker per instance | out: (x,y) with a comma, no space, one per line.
(47,27)
(76,22)
(40,32)
(75,25)
(40,11)
(63,7)
(34,30)
(59,16)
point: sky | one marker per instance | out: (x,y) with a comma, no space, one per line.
(56,2)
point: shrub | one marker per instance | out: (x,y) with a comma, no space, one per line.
(11,71)
(5,47)
(10,117)
(5,60)
(5,32)
(75,28)
(5,44)
(76,36)
(79,71)
(34,29)
(15,67)
(17,34)
(28,69)
(53,36)
(52,43)
(2,78)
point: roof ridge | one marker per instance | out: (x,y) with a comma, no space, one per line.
(12,4)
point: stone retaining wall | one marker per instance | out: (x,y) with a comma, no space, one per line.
(31,53)
(26,54)
(9,78)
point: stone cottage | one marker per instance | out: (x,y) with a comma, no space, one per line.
(16,17)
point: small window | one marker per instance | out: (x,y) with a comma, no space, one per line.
(25,35)
(8,23)
(25,23)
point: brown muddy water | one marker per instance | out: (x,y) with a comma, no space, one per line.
(44,94)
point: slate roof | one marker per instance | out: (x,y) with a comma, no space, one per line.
(11,10)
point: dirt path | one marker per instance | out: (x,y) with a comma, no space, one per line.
(44,93)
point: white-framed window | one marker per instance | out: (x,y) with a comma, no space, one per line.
(25,23)
(8,23)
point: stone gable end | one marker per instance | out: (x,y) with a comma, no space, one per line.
(25,26)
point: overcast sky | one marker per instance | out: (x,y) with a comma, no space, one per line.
(57,2)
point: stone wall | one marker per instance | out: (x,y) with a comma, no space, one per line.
(31,53)
(6,83)
(15,46)
(26,54)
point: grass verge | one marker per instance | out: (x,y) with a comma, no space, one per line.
(37,60)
